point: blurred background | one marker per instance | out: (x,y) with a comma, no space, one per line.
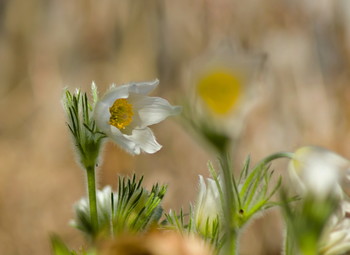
(297,55)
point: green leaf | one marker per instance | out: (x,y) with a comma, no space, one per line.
(59,248)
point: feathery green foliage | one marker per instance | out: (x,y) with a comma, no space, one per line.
(87,138)
(131,209)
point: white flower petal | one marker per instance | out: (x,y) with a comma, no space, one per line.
(143,87)
(200,198)
(152,110)
(144,140)
(115,93)
(340,249)
(334,239)
(208,204)
(336,236)
(104,196)
(212,199)
(318,170)
(123,141)
(101,116)
(202,189)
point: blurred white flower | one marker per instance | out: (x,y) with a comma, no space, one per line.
(319,171)
(222,93)
(208,208)
(125,112)
(221,77)
(336,237)
(220,89)
(104,209)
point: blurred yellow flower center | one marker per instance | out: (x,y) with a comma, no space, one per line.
(220,90)
(121,113)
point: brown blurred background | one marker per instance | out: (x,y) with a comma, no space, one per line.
(301,90)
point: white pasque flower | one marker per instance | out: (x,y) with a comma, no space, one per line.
(319,171)
(125,112)
(104,209)
(336,237)
(208,205)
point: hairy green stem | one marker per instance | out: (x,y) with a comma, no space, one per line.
(229,205)
(90,171)
(232,202)
(289,245)
(272,157)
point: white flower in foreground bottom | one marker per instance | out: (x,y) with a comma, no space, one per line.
(208,205)
(336,237)
(125,112)
(104,209)
(319,171)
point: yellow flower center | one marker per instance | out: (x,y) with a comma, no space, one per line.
(121,113)
(220,89)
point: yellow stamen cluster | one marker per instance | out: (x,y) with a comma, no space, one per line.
(220,89)
(121,113)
